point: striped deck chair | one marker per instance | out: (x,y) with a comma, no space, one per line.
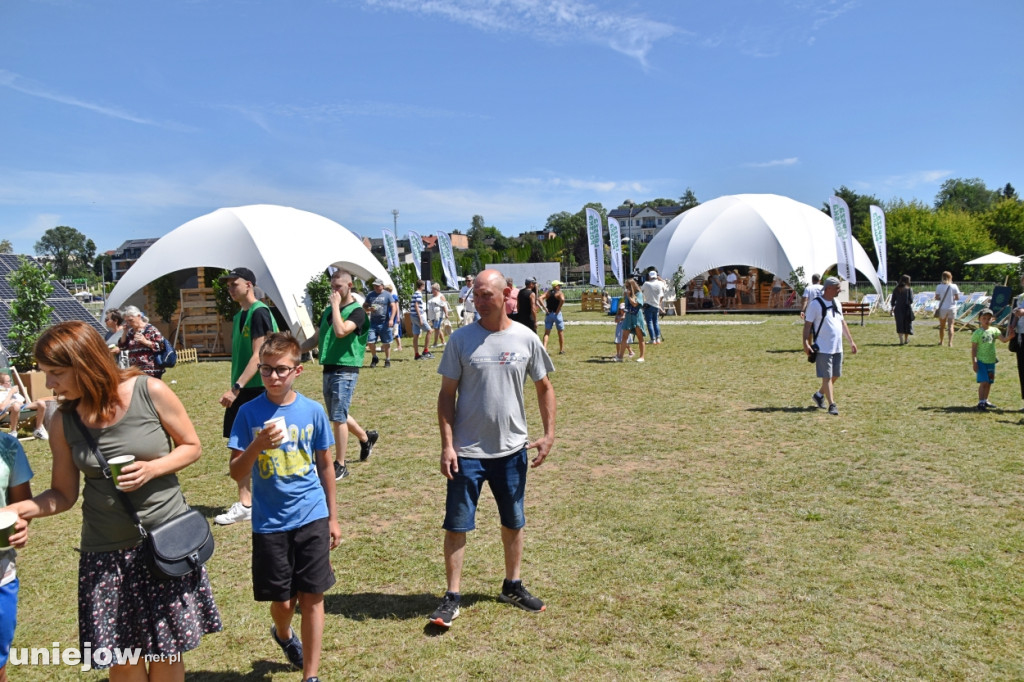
(967,314)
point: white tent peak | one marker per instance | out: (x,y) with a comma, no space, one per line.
(284,247)
(766,231)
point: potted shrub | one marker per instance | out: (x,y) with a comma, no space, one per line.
(679,287)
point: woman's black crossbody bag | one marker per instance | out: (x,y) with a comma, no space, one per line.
(174,548)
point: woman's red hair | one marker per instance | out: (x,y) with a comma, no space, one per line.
(79,347)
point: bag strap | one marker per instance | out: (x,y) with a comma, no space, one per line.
(91,442)
(949,287)
(824,312)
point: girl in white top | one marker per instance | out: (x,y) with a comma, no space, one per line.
(947,294)
(437,313)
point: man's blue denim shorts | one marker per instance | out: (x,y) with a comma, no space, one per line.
(338,389)
(506,477)
(380,332)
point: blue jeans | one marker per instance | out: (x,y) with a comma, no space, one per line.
(338,388)
(506,477)
(651,317)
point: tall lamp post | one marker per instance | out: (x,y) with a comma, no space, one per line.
(631,204)
(394,212)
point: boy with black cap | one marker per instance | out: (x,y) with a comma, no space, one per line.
(248,331)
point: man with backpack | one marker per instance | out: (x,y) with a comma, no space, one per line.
(824,329)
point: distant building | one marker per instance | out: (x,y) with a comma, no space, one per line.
(125,255)
(644,222)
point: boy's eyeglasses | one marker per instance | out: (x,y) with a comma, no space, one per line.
(282,371)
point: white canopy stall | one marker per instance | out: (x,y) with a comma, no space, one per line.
(284,247)
(766,231)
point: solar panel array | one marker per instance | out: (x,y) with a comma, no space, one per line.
(65,306)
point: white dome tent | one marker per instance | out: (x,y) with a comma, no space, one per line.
(766,231)
(284,247)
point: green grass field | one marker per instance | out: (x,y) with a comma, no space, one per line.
(697,519)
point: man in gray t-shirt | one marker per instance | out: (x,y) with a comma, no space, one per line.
(482,416)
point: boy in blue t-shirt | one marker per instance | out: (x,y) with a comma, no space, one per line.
(294,517)
(15,474)
(983,356)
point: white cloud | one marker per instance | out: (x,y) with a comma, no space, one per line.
(791,161)
(550,20)
(135,204)
(909,181)
(27,87)
(793,22)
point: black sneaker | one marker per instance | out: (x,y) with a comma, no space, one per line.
(428,355)
(513,592)
(292,648)
(340,471)
(366,449)
(373,363)
(387,363)
(448,611)
(982,406)
(990,406)
(833,409)
(819,400)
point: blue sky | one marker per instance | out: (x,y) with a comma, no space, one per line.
(125,119)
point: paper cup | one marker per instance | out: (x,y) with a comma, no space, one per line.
(7,521)
(280,423)
(118,463)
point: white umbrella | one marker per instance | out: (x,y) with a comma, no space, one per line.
(995,258)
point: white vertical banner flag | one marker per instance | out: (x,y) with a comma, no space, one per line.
(615,241)
(416,248)
(878,234)
(390,248)
(595,247)
(444,245)
(844,239)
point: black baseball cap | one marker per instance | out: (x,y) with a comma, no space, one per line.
(240,273)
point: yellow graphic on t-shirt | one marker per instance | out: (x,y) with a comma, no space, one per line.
(288,460)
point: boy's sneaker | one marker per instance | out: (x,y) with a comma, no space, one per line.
(41,433)
(513,592)
(340,471)
(990,406)
(292,648)
(428,355)
(235,513)
(387,363)
(982,406)
(373,363)
(418,357)
(448,611)
(366,449)
(832,409)
(819,400)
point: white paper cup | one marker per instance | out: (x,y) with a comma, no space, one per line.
(7,521)
(280,423)
(117,464)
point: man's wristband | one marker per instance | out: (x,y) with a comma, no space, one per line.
(236,386)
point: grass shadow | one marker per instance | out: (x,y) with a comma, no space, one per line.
(208,511)
(785,350)
(783,408)
(379,606)
(956,409)
(261,670)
